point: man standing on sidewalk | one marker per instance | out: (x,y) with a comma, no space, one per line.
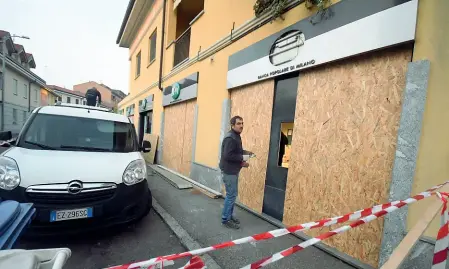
(231,162)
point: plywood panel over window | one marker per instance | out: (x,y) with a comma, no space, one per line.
(254,103)
(178,135)
(344,140)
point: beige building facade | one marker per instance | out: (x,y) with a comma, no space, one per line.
(357,93)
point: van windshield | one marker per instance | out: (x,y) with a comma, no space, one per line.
(55,132)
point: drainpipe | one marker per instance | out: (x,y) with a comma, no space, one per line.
(162,44)
(3,43)
(29,95)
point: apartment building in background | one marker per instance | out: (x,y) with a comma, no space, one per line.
(354,89)
(68,96)
(109,97)
(22,87)
(48,97)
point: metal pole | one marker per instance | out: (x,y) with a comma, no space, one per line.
(3,80)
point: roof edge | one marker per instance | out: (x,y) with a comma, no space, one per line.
(125,20)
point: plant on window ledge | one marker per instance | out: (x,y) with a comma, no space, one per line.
(277,8)
(323,11)
(320,4)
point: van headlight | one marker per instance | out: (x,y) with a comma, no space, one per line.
(135,172)
(9,174)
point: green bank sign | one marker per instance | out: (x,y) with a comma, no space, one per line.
(181,91)
(176,91)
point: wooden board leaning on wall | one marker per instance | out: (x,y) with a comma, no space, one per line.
(153,139)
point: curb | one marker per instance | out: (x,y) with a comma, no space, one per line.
(302,236)
(186,240)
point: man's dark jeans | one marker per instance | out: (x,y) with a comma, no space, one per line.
(231,185)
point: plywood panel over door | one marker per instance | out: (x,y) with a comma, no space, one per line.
(178,132)
(188,138)
(344,141)
(254,104)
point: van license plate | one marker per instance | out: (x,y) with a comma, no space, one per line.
(81,213)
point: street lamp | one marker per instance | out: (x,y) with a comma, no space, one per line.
(3,43)
(19,36)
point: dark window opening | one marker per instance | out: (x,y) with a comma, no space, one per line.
(186,13)
(152,47)
(138,61)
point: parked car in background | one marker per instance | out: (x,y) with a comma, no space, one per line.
(80,166)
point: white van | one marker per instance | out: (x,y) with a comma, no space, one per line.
(80,166)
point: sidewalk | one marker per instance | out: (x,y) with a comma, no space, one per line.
(199,215)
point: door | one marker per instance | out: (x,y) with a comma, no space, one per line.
(141,127)
(145,124)
(286,88)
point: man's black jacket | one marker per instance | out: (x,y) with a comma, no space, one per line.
(91,97)
(231,153)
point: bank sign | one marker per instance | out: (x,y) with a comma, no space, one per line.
(147,103)
(176,91)
(355,27)
(181,91)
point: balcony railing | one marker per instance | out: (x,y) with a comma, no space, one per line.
(182,47)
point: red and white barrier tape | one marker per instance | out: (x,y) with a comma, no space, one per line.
(367,212)
(194,263)
(442,243)
(287,252)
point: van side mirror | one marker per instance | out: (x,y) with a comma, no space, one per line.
(6,135)
(146,146)
(6,139)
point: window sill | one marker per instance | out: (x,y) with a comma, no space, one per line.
(150,63)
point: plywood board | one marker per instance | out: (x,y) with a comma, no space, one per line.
(254,103)
(153,139)
(344,141)
(173,136)
(178,133)
(186,159)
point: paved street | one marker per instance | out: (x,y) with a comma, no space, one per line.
(200,216)
(149,238)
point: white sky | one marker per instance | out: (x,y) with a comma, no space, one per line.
(72,41)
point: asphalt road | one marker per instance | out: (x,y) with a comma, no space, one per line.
(146,239)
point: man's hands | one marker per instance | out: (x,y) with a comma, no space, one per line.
(245,164)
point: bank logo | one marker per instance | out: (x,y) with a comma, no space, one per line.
(286,47)
(175,91)
(285,50)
